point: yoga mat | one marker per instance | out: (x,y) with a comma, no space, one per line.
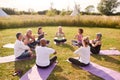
(38,74)
(109,52)
(102,72)
(10,58)
(9,45)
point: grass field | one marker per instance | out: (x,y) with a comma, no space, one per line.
(63,70)
(22,21)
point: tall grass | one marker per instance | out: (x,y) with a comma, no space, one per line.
(42,20)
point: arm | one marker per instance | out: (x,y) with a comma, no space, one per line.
(78,51)
(75,37)
(96,44)
(23,46)
(55,52)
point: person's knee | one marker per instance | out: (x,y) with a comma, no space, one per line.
(70,59)
(55,57)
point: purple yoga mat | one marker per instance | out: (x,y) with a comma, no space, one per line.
(10,58)
(109,52)
(102,72)
(38,74)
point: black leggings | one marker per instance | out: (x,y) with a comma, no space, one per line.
(59,41)
(77,62)
(52,60)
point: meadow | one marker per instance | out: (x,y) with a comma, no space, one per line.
(63,70)
(22,21)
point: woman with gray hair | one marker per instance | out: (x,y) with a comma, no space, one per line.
(95,45)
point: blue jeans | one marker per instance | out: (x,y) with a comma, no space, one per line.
(25,54)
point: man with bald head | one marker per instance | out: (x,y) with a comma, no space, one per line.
(43,55)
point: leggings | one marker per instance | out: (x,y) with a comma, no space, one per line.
(52,60)
(77,62)
(59,41)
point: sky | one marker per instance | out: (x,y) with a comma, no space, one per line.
(40,5)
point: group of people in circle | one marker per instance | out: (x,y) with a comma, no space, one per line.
(26,44)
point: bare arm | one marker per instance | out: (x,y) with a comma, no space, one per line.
(96,44)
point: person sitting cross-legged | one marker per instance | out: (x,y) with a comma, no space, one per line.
(20,49)
(95,45)
(60,36)
(43,54)
(84,52)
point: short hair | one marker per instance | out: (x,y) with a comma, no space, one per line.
(99,34)
(81,30)
(43,42)
(18,34)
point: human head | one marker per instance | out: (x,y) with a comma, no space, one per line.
(29,32)
(39,29)
(19,36)
(98,36)
(85,41)
(80,30)
(60,28)
(43,42)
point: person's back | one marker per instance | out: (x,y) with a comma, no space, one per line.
(84,54)
(43,54)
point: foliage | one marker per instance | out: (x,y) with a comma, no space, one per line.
(89,8)
(107,7)
(52,12)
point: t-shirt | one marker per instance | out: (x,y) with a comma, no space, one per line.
(42,55)
(84,54)
(19,48)
(79,37)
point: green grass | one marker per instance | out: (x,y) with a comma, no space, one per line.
(63,70)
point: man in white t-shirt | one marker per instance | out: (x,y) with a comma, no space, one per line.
(84,52)
(20,49)
(43,54)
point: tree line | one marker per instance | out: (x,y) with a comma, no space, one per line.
(105,7)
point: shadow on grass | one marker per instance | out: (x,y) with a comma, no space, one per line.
(23,66)
(54,76)
(67,46)
(106,58)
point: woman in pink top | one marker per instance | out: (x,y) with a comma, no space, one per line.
(79,37)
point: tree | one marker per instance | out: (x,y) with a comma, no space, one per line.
(89,9)
(107,7)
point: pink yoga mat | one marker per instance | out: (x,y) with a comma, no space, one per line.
(38,74)
(109,52)
(10,58)
(102,72)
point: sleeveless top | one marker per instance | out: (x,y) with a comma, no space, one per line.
(60,35)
